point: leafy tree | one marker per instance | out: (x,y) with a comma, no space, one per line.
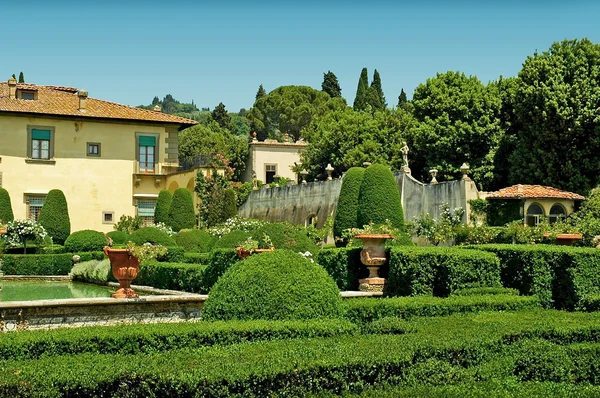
(458,122)
(163,206)
(402,101)
(223,206)
(220,115)
(379,198)
(239,126)
(360,101)
(346,139)
(557,109)
(260,93)
(21,78)
(331,85)
(376,84)
(347,206)
(6,212)
(54,216)
(289,109)
(171,105)
(181,213)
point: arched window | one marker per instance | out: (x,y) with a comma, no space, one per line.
(557,212)
(534,214)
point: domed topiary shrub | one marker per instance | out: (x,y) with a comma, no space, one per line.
(279,285)
(231,240)
(347,206)
(195,240)
(181,212)
(118,237)
(163,205)
(6,212)
(379,198)
(85,241)
(54,216)
(152,235)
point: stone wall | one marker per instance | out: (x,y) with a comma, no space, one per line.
(297,203)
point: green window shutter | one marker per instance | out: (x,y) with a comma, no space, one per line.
(146,140)
(40,134)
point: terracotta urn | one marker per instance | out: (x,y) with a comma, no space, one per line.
(125,267)
(244,253)
(567,239)
(373,256)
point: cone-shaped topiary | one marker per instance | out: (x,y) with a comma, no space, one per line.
(54,216)
(347,206)
(379,198)
(181,213)
(279,285)
(6,213)
(163,205)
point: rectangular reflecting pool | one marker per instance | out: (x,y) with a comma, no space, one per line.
(27,290)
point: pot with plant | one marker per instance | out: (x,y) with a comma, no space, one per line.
(251,246)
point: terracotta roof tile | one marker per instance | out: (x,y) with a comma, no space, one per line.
(521,191)
(64,101)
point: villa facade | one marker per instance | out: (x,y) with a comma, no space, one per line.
(108,159)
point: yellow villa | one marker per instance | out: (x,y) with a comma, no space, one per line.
(108,159)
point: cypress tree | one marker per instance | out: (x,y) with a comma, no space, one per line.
(181,213)
(360,101)
(21,78)
(379,198)
(14,76)
(163,205)
(376,84)
(402,101)
(54,216)
(6,212)
(220,115)
(331,85)
(374,100)
(260,93)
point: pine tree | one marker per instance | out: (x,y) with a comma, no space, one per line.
(376,84)
(21,78)
(331,85)
(260,93)
(220,115)
(360,101)
(402,101)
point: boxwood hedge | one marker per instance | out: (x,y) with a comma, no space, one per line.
(85,240)
(43,264)
(174,276)
(379,198)
(347,206)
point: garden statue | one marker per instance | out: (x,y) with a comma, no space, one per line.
(404,151)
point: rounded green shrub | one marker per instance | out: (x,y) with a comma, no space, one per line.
(285,236)
(6,212)
(163,205)
(152,235)
(118,237)
(279,285)
(181,212)
(86,240)
(54,216)
(231,240)
(195,240)
(347,207)
(379,198)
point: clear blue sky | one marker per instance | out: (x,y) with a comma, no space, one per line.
(220,51)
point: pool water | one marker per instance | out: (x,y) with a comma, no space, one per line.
(46,290)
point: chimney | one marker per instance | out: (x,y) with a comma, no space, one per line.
(157,108)
(82,94)
(12,88)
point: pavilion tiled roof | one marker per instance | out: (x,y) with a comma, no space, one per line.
(521,191)
(64,101)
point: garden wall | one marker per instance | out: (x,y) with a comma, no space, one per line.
(298,203)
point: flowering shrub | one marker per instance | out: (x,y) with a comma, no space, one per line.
(147,251)
(163,227)
(18,232)
(441,229)
(235,224)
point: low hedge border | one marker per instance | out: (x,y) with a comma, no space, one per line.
(173,276)
(196,258)
(362,310)
(344,266)
(43,264)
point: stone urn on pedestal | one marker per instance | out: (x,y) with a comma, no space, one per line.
(125,266)
(373,256)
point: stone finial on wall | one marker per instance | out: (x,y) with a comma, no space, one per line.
(304,173)
(433,173)
(254,139)
(329,169)
(465,170)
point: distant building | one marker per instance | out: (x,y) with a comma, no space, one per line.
(270,159)
(531,203)
(108,159)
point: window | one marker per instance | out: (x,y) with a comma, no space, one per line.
(557,212)
(27,95)
(145,210)
(270,173)
(108,217)
(34,206)
(41,143)
(534,214)
(93,149)
(146,153)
